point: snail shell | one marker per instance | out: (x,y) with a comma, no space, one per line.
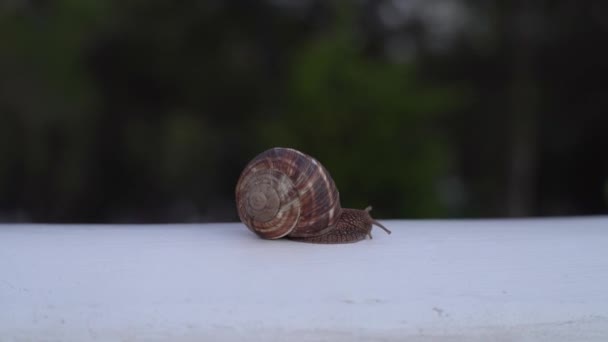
(284,192)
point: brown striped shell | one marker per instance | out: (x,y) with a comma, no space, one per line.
(284,192)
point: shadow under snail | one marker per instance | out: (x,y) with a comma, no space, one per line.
(283,192)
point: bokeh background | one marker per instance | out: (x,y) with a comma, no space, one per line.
(146,111)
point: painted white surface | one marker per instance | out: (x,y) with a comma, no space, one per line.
(470,280)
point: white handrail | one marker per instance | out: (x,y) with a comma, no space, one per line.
(454,280)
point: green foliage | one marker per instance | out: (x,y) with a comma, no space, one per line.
(373,125)
(46,104)
(148,110)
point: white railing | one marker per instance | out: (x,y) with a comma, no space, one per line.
(469,280)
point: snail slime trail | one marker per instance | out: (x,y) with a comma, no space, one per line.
(283,192)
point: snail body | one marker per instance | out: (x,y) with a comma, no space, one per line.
(283,192)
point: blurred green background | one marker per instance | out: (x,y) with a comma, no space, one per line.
(146,111)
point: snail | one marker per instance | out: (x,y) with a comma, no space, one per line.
(285,193)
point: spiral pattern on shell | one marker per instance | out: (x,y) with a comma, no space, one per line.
(284,192)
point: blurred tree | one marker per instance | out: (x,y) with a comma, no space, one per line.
(46,103)
(372,123)
(524,145)
(146,111)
